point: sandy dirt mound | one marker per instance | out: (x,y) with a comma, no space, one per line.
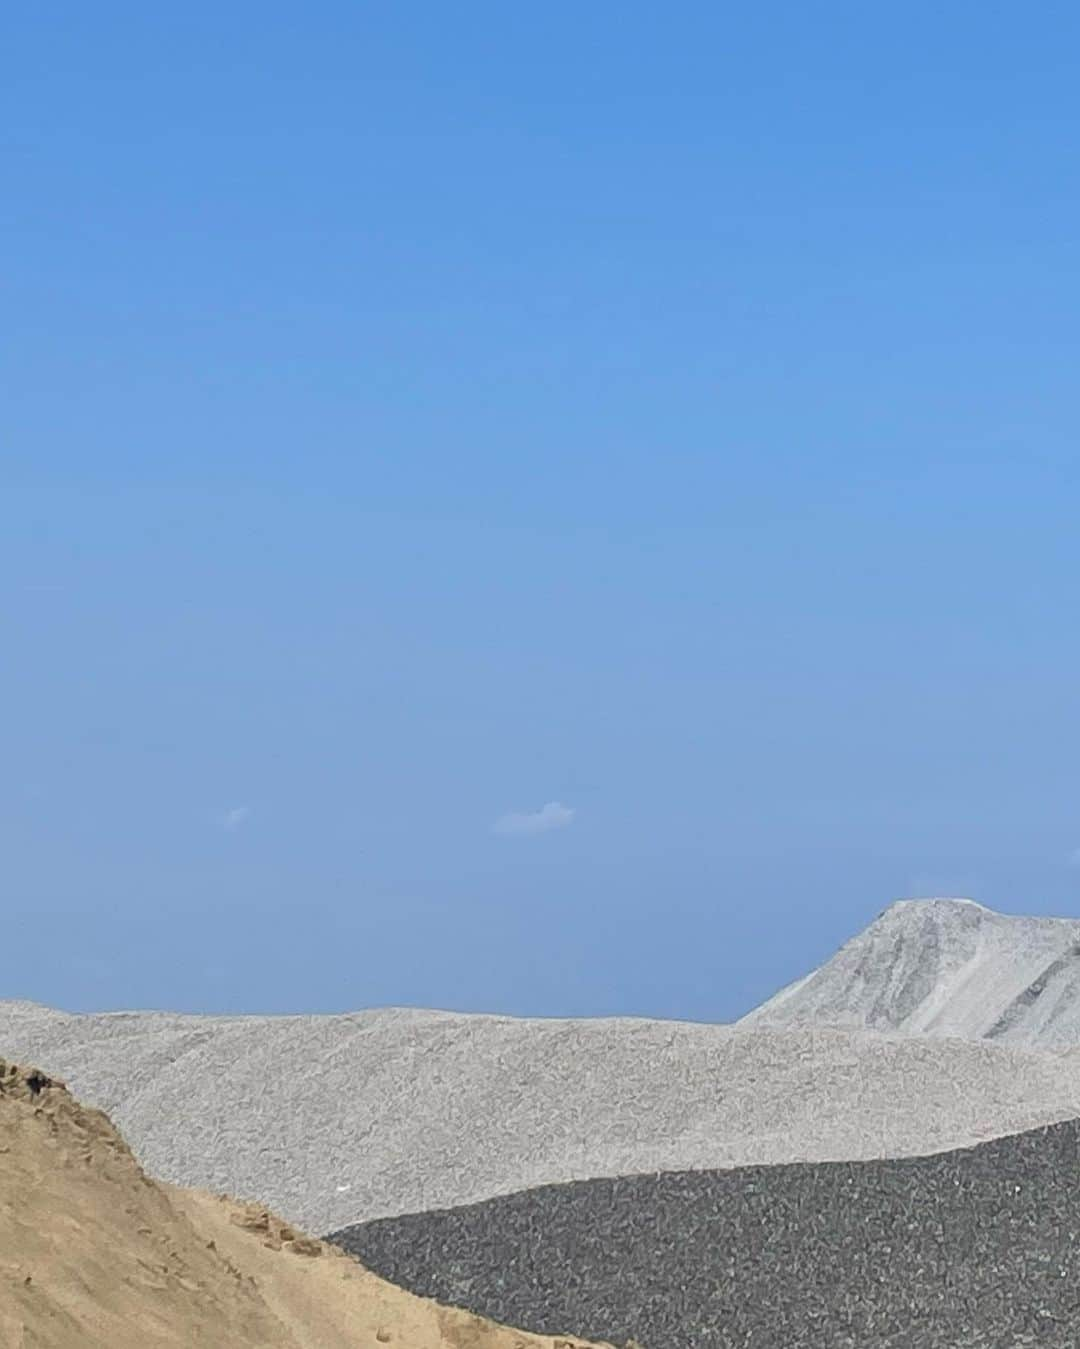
(94,1255)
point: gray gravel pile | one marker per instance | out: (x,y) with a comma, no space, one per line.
(945,967)
(979,1247)
(335,1120)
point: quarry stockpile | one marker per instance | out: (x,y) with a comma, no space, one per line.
(945,967)
(885,1155)
(972,1249)
(336,1120)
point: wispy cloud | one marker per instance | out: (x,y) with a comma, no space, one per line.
(552,816)
(1074,857)
(233,819)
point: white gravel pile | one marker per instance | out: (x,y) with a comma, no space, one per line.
(338,1119)
(945,967)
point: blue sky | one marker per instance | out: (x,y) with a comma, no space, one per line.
(554,509)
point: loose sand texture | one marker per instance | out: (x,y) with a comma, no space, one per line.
(945,967)
(335,1120)
(976,1247)
(93,1255)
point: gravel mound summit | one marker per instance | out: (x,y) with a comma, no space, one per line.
(945,967)
(335,1120)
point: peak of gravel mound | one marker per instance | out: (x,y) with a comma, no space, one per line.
(94,1255)
(945,967)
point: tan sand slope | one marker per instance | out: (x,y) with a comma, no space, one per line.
(94,1255)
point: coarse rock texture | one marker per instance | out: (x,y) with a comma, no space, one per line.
(945,967)
(977,1247)
(336,1120)
(93,1255)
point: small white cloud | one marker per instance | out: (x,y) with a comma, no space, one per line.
(233,819)
(552,816)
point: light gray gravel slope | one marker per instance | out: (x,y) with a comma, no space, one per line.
(945,967)
(335,1120)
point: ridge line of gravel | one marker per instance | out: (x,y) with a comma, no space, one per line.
(337,1120)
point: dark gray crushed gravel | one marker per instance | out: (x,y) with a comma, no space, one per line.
(973,1249)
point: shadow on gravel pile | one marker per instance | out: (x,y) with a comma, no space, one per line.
(977,1247)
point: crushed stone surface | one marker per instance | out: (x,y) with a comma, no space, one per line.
(945,967)
(972,1249)
(335,1120)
